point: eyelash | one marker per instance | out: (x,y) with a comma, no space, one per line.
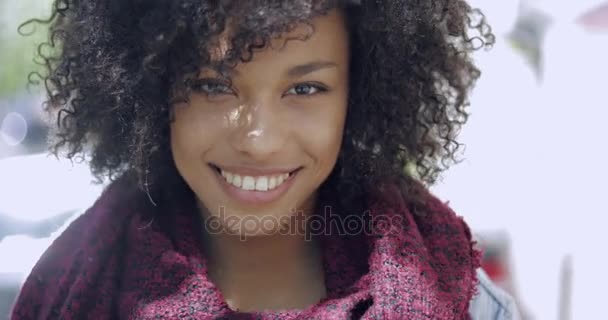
(199,86)
(320,88)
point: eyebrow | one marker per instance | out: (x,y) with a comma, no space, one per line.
(304,69)
(293,72)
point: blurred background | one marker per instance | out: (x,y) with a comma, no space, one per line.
(532,184)
(39,194)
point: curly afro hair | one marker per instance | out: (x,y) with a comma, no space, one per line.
(120,65)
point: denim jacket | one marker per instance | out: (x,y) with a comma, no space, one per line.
(491,302)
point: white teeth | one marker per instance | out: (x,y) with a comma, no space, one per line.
(236,180)
(261,183)
(228,176)
(248,183)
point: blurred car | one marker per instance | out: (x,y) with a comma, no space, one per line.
(497,262)
(39,197)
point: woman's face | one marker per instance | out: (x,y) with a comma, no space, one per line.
(261,146)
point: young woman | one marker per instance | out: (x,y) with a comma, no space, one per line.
(269,160)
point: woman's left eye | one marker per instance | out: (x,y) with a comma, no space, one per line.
(306,89)
(211,87)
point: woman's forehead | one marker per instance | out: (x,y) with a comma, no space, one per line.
(322,35)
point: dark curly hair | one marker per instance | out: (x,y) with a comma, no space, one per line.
(119,66)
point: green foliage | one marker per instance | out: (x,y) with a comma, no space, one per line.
(17,52)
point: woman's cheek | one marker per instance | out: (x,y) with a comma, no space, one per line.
(320,128)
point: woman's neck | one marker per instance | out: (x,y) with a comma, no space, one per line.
(266,272)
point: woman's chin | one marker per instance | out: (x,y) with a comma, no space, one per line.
(256,224)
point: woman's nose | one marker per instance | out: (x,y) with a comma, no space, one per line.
(259,131)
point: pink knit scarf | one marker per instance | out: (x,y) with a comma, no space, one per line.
(114,263)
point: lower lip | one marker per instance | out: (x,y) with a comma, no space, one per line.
(252,196)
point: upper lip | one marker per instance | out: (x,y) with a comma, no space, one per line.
(255,171)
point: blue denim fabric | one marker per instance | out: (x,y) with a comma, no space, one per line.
(491,302)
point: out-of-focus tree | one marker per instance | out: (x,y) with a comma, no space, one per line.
(528,34)
(17,51)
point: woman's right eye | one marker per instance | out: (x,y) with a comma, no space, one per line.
(211,87)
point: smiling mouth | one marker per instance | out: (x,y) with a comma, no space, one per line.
(261,182)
